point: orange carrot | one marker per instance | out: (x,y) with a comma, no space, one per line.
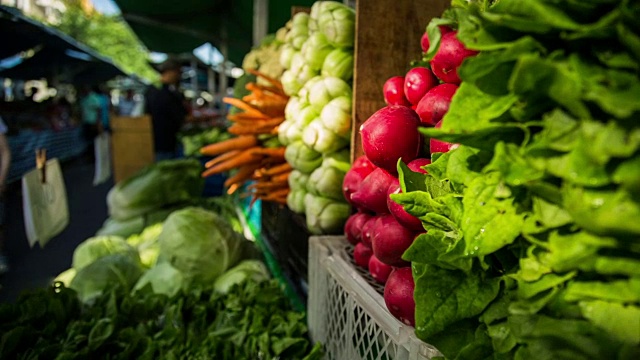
(236,143)
(242,105)
(266,90)
(271,80)
(264,186)
(278,169)
(270,152)
(243,116)
(244,158)
(281,177)
(238,129)
(243,174)
(221,158)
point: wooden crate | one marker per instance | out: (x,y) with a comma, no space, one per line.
(388,36)
(132,145)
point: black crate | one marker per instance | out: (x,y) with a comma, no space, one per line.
(286,234)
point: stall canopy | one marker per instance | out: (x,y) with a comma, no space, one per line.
(181,26)
(38,51)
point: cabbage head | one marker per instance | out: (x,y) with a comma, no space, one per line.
(247,270)
(302,158)
(339,63)
(104,274)
(337,22)
(163,279)
(160,184)
(322,92)
(295,200)
(315,50)
(66,277)
(147,244)
(200,244)
(326,181)
(122,228)
(321,139)
(97,247)
(336,116)
(324,215)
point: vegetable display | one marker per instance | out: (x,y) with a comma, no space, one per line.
(317,126)
(253,320)
(531,217)
(255,154)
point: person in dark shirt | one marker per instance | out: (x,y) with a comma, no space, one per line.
(167,110)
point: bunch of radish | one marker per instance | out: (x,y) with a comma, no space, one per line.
(381,230)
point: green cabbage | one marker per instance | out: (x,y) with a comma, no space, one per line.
(338,63)
(66,277)
(157,185)
(286,55)
(337,22)
(163,279)
(97,247)
(105,274)
(298,179)
(315,50)
(326,90)
(299,32)
(295,200)
(325,216)
(336,116)
(321,139)
(199,243)
(302,158)
(147,244)
(247,270)
(123,228)
(326,181)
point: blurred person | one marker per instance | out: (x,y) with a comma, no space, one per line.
(5,162)
(167,109)
(127,103)
(105,107)
(91,114)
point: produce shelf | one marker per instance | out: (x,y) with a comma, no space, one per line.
(346,310)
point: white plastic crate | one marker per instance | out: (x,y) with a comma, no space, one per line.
(346,310)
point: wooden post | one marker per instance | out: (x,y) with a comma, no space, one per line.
(388,36)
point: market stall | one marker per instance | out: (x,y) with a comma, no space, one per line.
(457,180)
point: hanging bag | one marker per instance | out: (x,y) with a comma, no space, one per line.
(102,148)
(44,201)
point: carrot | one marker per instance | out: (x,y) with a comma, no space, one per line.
(281,177)
(278,169)
(243,174)
(264,186)
(238,129)
(266,90)
(244,158)
(270,152)
(271,80)
(243,116)
(221,158)
(236,143)
(242,106)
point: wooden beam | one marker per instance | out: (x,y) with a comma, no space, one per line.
(388,36)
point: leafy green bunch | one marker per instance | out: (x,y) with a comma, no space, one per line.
(532,249)
(252,321)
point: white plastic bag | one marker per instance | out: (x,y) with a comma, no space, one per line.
(46,212)
(102,145)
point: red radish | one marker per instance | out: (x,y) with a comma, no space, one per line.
(402,216)
(368,229)
(379,270)
(352,181)
(449,57)
(417,82)
(361,255)
(390,240)
(435,103)
(363,164)
(418,164)
(398,295)
(389,134)
(424,41)
(436,145)
(372,193)
(353,227)
(393,91)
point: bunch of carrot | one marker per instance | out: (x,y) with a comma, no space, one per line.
(262,112)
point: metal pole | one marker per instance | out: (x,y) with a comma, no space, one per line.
(260,20)
(211,79)
(224,49)
(194,80)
